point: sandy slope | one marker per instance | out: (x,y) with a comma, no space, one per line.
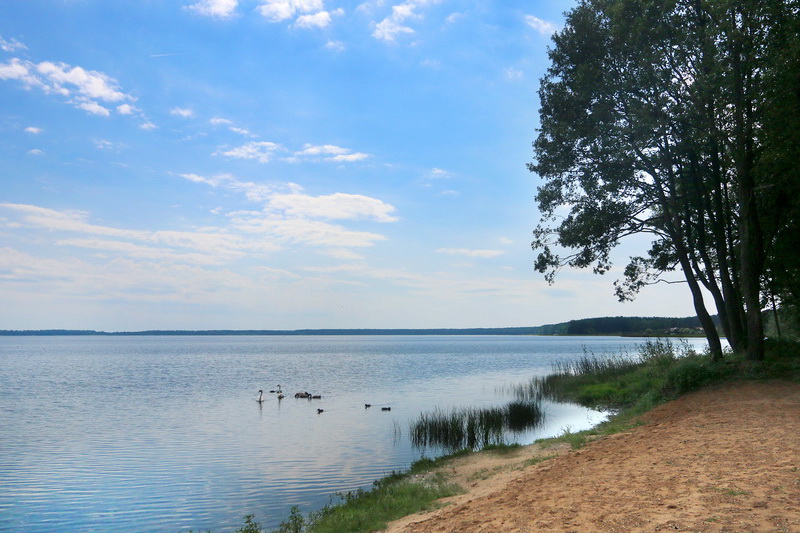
(726,459)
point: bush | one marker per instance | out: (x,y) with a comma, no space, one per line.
(690,374)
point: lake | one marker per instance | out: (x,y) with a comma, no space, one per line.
(163,433)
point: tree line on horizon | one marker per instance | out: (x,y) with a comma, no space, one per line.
(620,325)
(678,120)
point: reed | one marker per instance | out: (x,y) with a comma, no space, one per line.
(474,428)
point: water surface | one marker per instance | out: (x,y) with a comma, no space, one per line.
(163,433)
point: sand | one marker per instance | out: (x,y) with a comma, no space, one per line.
(720,460)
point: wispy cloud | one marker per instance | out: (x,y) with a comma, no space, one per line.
(337,46)
(327,152)
(261,151)
(222,9)
(340,206)
(396,23)
(290,215)
(11,45)
(33,129)
(209,246)
(184,112)
(254,192)
(89,90)
(219,121)
(545,28)
(486,254)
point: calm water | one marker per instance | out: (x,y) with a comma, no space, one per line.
(164,434)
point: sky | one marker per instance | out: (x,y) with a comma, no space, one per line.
(280,164)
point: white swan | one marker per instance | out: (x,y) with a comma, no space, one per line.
(260,396)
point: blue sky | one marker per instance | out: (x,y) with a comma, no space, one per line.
(184,164)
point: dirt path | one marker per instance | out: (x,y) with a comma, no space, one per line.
(720,460)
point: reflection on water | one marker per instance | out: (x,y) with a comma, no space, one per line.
(165,433)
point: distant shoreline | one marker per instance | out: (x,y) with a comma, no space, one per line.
(584,327)
(271,332)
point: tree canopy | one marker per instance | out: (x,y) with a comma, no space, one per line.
(677,119)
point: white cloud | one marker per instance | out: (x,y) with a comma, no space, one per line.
(395,24)
(181,112)
(304,231)
(325,149)
(85,89)
(242,131)
(452,18)
(36,151)
(94,108)
(544,27)
(506,240)
(147,126)
(349,158)
(300,218)
(126,109)
(328,152)
(219,121)
(512,73)
(280,10)
(215,8)
(254,192)
(438,173)
(339,206)
(33,129)
(215,244)
(470,253)
(89,83)
(11,45)
(337,46)
(261,151)
(317,20)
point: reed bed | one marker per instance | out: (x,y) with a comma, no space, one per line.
(473,427)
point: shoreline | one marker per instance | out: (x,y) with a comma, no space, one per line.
(725,458)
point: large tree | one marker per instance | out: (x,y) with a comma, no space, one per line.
(659,117)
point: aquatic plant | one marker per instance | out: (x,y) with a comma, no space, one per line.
(473,427)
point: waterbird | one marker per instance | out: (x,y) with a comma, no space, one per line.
(367,405)
(320,411)
(386,408)
(260,396)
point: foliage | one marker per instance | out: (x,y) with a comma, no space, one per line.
(659,118)
(619,325)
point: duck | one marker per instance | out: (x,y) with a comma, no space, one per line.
(386,408)
(320,411)
(367,405)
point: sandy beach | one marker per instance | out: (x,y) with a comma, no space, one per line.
(725,459)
